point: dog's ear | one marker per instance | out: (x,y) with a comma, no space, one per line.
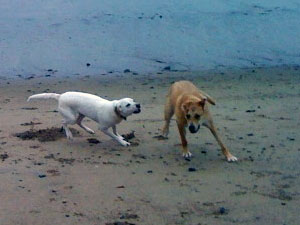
(118,105)
(202,102)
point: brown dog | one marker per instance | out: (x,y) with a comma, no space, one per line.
(191,109)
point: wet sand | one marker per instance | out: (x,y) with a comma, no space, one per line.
(84,182)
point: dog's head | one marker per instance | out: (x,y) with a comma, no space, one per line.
(127,106)
(193,110)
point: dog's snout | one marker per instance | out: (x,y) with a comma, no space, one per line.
(138,108)
(193,129)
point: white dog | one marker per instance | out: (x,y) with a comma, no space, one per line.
(74,106)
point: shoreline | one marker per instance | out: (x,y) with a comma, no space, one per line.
(222,70)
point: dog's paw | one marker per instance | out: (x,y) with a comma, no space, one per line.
(231,158)
(187,155)
(124,143)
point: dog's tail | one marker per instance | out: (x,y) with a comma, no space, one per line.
(44,96)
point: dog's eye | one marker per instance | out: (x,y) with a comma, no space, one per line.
(188,116)
(127,105)
(197,116)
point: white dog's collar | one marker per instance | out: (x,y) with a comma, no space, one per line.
(119,114)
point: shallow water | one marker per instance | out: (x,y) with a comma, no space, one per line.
(67,36)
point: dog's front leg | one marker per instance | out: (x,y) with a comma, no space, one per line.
(210,125)
(185,152)
(114,128)
(115,137)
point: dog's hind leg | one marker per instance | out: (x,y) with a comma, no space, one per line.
(79,122)
(168,113)
(68,118)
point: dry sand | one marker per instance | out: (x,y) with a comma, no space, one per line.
(63,182)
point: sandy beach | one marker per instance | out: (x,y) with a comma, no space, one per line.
(56,181)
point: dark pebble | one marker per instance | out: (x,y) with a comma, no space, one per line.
(149,171)
(250,111)
(129,216)
(168,68)
(126,71)
(42,176)
(192,169)
(3,157)
(120,223)
(88,64)
(222,210)
(93,141)
(203,152)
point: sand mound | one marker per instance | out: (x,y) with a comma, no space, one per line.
(44,135)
